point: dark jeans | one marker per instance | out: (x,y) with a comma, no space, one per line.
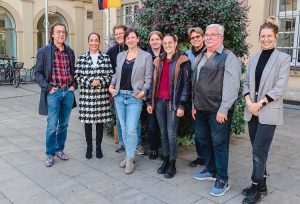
(261,136)
(168,124)
(197,144)
(88,134)
(152,128)
(214,141)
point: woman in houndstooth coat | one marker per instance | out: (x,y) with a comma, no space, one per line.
(93,74)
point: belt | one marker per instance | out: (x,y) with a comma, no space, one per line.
(62,87)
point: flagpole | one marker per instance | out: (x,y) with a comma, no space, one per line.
(107,28)
(46,21)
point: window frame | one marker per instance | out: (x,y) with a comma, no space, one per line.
(294,46)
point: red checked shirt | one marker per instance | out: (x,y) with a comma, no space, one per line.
(61,75)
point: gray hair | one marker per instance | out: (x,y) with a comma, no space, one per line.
(221,28)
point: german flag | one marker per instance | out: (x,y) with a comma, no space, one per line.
(103,4)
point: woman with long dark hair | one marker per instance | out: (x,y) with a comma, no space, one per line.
(169,95)
(93,74)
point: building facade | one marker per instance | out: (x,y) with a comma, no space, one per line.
(22,26)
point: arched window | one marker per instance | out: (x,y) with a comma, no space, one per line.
(8,41)
(52,18)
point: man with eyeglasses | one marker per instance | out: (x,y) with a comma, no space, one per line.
(196,36)
(120,46)
(54,72)
(216,82)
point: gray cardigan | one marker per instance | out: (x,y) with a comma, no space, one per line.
(141,73)
(273,82)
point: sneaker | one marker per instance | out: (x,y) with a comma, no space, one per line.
(153,155)
(49,161)
(220,188)
(140,149)
(61,155)
(120,148)
(197,162)
(204,175)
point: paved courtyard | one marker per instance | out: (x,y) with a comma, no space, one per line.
(25,179)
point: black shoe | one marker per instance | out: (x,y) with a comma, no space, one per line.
(254,195)
(263,188)
(164,166)
(161,158)
(153,155)
(89,150)
(99,154)
(171,171)
(197,162)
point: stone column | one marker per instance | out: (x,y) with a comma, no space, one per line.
(79,17)
(27,17)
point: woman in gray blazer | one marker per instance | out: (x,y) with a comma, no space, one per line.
(265,82)
(129,86)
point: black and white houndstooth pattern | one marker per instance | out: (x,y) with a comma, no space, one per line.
(94,104)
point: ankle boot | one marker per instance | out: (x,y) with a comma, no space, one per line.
(254,195)
(99,154)
(171,171)
(129,166)
(88,153)
(164,166)
(123,163)
(263,188)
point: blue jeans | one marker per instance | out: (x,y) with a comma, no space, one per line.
(139,130)
(214,141)
(197,144)
(168,124)
(59,106)
(261,136)
(129,110)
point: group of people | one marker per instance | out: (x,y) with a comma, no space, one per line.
(166,82)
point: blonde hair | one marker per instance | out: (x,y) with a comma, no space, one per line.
(155,32)
(271,23)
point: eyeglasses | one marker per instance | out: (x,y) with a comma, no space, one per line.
(195,37)
(168,43)
(117,34)
(211,35)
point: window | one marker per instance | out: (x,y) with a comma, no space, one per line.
(128,13)
(8,40)
(288,36)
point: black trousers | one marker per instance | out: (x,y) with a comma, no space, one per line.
(261,136)
(88,134)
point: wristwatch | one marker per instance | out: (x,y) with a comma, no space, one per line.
(263,102)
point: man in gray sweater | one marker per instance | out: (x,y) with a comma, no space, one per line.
(216,82)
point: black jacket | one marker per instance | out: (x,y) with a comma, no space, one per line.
(113,53)
(180,80)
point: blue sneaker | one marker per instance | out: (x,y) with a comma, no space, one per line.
(220,188)
(204,175)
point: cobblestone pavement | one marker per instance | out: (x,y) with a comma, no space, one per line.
(25,179)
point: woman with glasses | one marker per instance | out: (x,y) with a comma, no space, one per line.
(93,74)
(196,36)
(169,95)
(155,39)
(129,86)
(265,82)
